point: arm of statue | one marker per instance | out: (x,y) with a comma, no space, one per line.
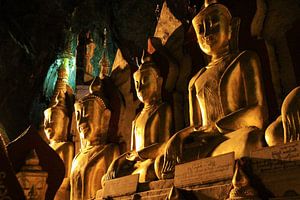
(194,108)
(151,152)
(245,117)
(69,158)
(254,112)
(173,151)
(114,167)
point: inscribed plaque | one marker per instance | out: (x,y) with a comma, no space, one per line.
(205,170)
(121,186)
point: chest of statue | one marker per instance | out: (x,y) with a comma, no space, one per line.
(85,169)
(207,92)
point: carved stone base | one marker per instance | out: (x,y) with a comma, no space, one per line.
(159,190)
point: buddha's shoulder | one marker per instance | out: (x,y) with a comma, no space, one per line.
(62,146)
(195,77)
(246,56)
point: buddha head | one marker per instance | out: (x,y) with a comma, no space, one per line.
(93,115)
(148,82)
(213,28)
(56,120)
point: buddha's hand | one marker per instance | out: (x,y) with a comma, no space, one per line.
(111,171)
(291,123)
(171,157)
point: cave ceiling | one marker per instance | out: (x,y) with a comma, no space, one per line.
(31,36)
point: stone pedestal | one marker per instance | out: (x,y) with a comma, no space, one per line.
(276,170)
(159,190)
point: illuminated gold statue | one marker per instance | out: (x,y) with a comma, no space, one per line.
(150,129)
(89,53)
(90,164)
(226,100)
(286,128)
(56,121)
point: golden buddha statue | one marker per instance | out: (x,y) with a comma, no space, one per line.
(150,129)
(286,128)
(32,178)
(56,122)
(226,101)
(90,164)
(89,53)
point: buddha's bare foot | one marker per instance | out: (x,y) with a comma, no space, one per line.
(110,174)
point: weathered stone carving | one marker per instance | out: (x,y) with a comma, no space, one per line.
(90,164)
(32,178)
(286,128)
(150,129)
(10,187)
(227,103)
(50,162)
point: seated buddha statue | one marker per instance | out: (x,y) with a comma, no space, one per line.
(286,128)
(150,129)
(90,164)
(227,107)
(56,122)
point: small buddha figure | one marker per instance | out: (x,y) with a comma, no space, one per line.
(90,164)
(89,53)
(150,129)
(226,101)
(56,121)
(286,128)
(32,178)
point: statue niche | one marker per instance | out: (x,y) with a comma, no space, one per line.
(90,164)
(286,128)
(56,123)
(150,129)
(227,106)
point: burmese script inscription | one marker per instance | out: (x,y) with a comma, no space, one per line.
(121,186)
(277,158)
(205,170)
(288,152)
(277,165)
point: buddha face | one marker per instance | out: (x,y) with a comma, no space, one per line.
(213,30)
(55,124)
(34,186)
(92,120)
(147,85)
